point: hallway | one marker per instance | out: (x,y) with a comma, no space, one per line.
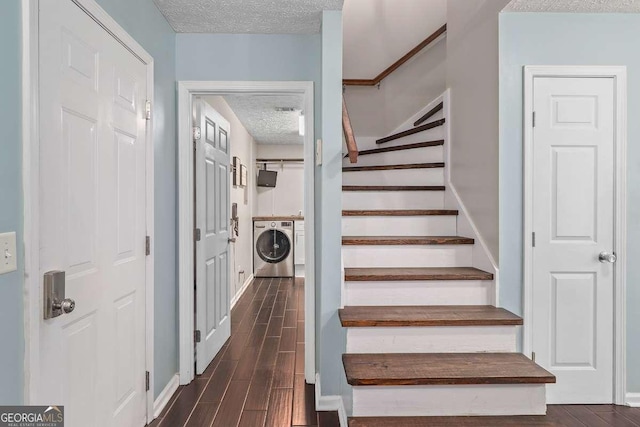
(257,379)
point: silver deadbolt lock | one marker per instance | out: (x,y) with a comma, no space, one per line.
(55,303)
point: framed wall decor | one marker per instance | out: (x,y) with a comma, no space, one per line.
(243,175)
(236,171)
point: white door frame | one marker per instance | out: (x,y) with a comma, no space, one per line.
(619,74)
(186,91)
(31,189)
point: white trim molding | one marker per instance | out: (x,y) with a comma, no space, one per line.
(31,188)
(619,74)
(330,403)
(165,395)
(242,290)
(186,91)
(633,400)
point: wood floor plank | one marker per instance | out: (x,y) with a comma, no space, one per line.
(485,421)
(253,419)
(433,315)
(247,364)
(284,373)
(260,389)
(299,358)
(405,240)
(558,413)
(280,407)
(230,410)
(443,368)
(585,416)
(300,332)
(219,381)
(202,414)
(275,326)
(328,419)
(632,414)
(304,405)
(615,419)
(288,339)
(414,274)
(290,319)
(184,404)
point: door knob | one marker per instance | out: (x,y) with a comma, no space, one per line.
(607,257)
(55,303)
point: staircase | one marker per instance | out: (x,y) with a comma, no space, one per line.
(425,344)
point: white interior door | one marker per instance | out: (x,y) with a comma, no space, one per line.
(573,221)
(92,219)
(213,320)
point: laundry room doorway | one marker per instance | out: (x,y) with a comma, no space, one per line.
(226,171)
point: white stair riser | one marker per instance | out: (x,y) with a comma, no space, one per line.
(392,199)
(407,256)
(441,225)
(427,292)
(432,176)
(449,400)
(434,339)
(415,155)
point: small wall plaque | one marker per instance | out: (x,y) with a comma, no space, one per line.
(243,175)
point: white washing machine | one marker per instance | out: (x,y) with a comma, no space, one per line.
(273,249)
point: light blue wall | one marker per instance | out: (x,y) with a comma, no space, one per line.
(11,295)
(565,39)
(144,22)
(332,336)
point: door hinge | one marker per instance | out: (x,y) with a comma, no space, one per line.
(534,119)
(533,239)
(533,356)
(147,381)
(197,234)
(196,336)
(147,245)
(147,110)
(196,133)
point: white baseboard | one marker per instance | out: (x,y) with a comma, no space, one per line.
(165,396)
(632,399)
(330,403)
(242,290)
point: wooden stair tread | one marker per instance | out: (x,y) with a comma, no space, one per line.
(427,315)
(393,188)
(442,369)
(400,212)
(406,240)
(468,421)
(413,131)
(401,147)
(423,273)
(429,114)
(393,167)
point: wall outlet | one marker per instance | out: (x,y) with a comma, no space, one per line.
(319,152)
(8,255)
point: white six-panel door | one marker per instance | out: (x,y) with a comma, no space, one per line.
(92,219)
(213,320)
(573,221)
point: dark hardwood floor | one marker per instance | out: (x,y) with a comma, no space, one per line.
(257,379)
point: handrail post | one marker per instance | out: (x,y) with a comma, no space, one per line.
(352,146)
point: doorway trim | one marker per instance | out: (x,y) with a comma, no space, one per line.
(619,74)
(31,189)
(186,92)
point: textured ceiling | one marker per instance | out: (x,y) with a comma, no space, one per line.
(584,6)
(246,16)
(258,115)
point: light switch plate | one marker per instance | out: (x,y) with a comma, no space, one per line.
(8,256)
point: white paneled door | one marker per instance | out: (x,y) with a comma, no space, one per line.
(573,221)
(212,158)
(92,219)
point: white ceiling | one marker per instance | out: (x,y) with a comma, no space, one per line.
(575,6)
(246,16)
(379,32)
(258,115)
